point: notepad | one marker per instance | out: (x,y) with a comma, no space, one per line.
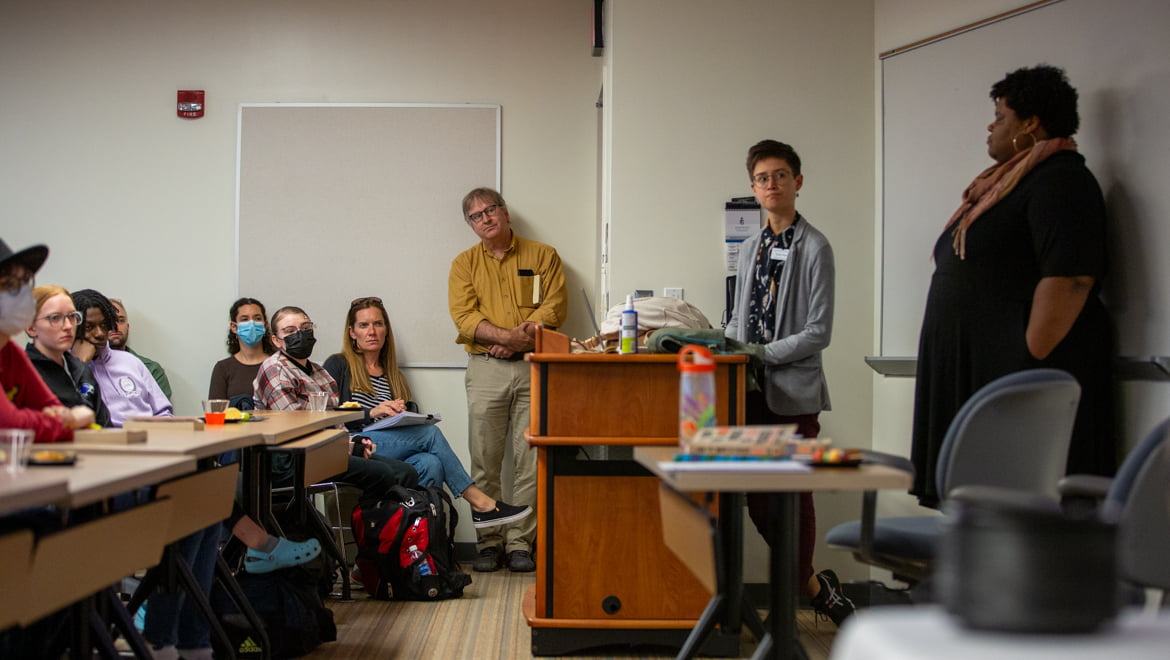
(404,418)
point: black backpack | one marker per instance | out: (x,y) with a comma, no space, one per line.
(406,546)
(294,615)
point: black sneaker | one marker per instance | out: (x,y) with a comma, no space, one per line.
(490,560)
(503,514)
(832,602)
(520,561)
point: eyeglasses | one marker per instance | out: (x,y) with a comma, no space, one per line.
(477,217)
(368,300)
(763,180)
(57,320)
(13,283)
(284,332)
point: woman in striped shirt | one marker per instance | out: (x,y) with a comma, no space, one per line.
(366,372)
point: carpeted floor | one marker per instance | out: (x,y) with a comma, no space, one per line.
(486,623)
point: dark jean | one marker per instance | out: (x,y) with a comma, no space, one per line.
(426,449)
(172,619)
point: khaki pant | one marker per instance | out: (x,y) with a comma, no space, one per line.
(497,411)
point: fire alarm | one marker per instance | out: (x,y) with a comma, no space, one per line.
(190,103)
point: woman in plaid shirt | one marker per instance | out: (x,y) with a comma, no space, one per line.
(284,382)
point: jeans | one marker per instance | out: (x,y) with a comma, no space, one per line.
(172,619)
(424,447)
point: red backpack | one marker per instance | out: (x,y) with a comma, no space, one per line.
(406,546)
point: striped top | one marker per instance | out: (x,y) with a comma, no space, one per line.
(381,393)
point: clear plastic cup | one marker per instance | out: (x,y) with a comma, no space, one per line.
(215,411)
(16,443)
(318,401)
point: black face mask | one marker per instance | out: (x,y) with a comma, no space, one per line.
(300,344)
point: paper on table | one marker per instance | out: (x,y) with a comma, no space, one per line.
(404,418)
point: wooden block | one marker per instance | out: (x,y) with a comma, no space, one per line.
(109,437)
(164,424)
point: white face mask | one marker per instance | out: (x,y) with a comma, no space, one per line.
(18,309)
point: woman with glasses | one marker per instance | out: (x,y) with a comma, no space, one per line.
(53,332)
(284,382)
(367,373)
(248,346)
(27,403)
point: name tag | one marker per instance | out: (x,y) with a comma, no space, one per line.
(780,254)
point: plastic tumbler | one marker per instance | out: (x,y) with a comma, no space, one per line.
(215,411)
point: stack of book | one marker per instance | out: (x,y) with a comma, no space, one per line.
(750,442)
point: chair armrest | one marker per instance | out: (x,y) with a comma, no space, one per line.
(412,406)
(1007,499)
(890,460)
(1084,485)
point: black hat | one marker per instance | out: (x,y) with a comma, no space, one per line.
(31,258)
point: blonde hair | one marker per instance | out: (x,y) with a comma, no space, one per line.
(359,378)
(43,293)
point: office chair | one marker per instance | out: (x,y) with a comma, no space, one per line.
(1012,433)
(1138,500)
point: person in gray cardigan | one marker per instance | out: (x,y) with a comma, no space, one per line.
(784,302)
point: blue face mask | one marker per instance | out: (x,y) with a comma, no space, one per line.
(250,332)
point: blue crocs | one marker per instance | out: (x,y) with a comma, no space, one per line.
(286,553)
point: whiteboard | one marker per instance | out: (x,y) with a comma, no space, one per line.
(342,201)
(935,110)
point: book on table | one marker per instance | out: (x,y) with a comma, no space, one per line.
(404,418)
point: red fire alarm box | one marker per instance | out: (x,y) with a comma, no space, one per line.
(190,103)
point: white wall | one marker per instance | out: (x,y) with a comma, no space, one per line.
(898,23)
(691,85)
(140,204)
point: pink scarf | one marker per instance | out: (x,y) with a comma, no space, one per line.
(996,182)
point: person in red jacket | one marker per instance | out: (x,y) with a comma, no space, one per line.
(27,402)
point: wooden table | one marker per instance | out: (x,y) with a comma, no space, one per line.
(279,427)
(33,487)
(80,560)
(204,443)
(604,575)
(781,640)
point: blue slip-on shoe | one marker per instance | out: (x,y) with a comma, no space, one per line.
(286,553)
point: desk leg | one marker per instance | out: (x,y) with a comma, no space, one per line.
(258,485)
(728,608)
(781,641)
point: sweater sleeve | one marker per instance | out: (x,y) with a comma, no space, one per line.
(26,396)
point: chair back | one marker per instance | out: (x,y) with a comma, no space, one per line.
(1013,432)
(1139,500)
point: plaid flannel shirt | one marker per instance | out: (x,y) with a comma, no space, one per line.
(282,385)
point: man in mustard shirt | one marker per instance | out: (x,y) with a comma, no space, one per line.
(498,291)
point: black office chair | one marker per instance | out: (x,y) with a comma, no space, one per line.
(1012,433)
(1138,500)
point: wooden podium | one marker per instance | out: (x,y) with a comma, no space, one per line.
(604,575)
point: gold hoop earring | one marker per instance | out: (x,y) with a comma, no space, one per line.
(1029,134)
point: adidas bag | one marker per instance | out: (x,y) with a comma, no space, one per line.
(294,616)
(406,546)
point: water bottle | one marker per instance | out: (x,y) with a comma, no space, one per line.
(628,342)
(696,392)
(424,566)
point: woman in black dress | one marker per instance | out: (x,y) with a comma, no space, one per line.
(1017,275)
